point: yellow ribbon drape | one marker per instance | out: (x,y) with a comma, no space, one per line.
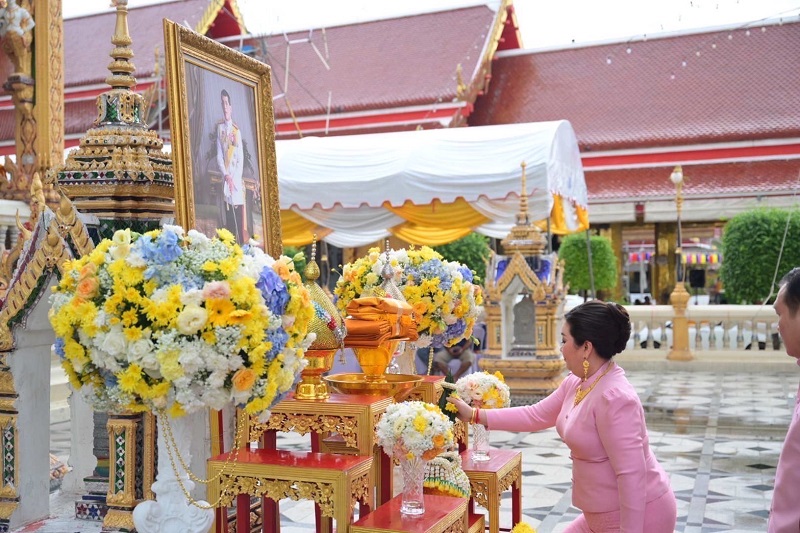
(558,220)
(435,223)
(455,215)
(431,224)
(299,231)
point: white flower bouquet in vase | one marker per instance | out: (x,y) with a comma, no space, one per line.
(414,433)
(483,390)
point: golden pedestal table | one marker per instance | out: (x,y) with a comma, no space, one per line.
(342,424)
(489,479)
(334,482)
(443,514)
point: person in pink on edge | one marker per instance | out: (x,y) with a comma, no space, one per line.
(616,480)
(784,514)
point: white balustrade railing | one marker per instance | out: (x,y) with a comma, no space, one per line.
(711,327)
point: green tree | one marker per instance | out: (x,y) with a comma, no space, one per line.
(472,250)
(576,262)
(751,244)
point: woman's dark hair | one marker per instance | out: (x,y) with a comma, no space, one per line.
(605,324)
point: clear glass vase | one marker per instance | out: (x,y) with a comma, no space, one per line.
(480,443)
(413,474)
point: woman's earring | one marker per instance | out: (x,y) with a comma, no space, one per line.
(585,369)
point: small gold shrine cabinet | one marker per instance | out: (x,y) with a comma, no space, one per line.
(524,304)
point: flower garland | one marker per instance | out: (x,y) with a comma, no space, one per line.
(444,475)
(414,429)
(441,292)
(484,390)
(180,321)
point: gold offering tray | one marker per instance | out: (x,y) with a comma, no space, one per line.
(396,385)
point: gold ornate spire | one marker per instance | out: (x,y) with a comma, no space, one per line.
(525,237)
(120,170)
(121,67)
(522,216)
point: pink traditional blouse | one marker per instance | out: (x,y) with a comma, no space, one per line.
(784,516)
(613,468)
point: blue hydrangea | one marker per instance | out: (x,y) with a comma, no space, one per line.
(278,338)
(274,291)
(59,348)
(466,273)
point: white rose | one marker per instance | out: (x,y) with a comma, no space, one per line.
(120,251)
(122,236)
(137,350)
(114,342)
(197,237)
(192,297)
(177,230)
(192,319)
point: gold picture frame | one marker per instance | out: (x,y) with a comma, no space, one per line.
(223,153)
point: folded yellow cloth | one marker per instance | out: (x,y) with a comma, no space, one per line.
(366,333)
(367,308)
(396,313)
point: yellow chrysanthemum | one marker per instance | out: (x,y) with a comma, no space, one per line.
(129,378)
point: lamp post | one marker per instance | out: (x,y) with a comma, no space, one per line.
(679,297)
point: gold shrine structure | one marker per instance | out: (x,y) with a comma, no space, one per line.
(524,287)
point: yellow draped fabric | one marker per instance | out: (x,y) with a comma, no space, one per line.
(431,224)
(425,235)
(435,223)
(298,231)
(558,219)
(456,215)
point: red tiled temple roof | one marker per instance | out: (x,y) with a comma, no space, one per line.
(739,87)
(387,64)
(705,180)
(376,66)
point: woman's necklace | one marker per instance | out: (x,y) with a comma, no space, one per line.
(580,394)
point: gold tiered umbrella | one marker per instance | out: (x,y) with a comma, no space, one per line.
(330,330)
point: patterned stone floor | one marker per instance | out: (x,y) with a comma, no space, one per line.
(717,433)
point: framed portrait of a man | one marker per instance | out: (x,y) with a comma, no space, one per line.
(223,139)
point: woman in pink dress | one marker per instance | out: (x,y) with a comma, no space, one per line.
(616,480)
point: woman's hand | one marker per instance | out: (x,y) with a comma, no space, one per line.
(464,410)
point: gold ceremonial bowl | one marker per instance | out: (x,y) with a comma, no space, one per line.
(396,385)
(311,386)
(374,361)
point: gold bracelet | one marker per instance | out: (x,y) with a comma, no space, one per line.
(473,416)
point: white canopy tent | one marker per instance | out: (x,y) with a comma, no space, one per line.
(428,186)
(356,190)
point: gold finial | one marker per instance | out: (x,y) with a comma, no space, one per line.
(522,216)
(121,67)
(311,271)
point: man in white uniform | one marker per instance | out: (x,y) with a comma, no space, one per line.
(230,159)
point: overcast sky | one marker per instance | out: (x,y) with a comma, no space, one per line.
(543,23)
